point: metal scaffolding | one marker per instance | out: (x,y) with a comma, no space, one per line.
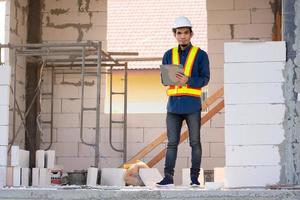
(84,58)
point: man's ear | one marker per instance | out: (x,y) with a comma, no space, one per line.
(174,33)
(192,33)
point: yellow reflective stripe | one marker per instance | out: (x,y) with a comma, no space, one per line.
(175,56)
(190,61)
(185,91)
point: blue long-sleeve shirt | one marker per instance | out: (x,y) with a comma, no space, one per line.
(199,78)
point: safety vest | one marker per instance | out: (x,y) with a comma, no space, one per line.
(186,90)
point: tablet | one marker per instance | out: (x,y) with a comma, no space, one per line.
(168,74)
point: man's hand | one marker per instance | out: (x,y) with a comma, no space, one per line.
(182,78)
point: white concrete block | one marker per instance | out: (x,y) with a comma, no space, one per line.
(267,175)
(9,176)
(249,93)
(252,155)
(5,75)
(40,159)
(24,158)
(228,17)
(254,114)
(44,177)
(2,177)
(254,51)
(92,176)
(254,134)
(4,115)
(112,176)
(35,176)
(4,95)
(186,177)
(3,156)
(219,174)
(254,72)
(25,175)
(3,135)
(15,156)
(50,159)
(16,176)
(150,176)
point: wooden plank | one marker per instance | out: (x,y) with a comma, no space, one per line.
(210,100)
(184,135)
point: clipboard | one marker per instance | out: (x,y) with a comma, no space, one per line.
(168,74)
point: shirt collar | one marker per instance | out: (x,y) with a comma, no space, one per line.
(186,49)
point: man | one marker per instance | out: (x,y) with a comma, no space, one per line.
(184,100)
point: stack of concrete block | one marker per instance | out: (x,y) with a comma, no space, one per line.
(254,112)
(41,174)
(5,73)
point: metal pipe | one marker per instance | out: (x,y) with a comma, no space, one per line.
(125,115)
(82,98)
(110,112)
(71,44)
(97,148)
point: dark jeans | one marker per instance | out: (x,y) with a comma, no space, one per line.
(174,124)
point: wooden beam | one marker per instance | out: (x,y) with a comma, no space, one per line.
(184,135)
(143,152)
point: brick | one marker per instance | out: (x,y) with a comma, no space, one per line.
(66,91)
(228,17)
(146,120)
(216,46)
(99,18)
(46,135)
(219,5)
(2,177)
(96,33)
(66,18)
(92,175)
(255,155)
(268,175)
(46,106)
(75,163)
(4,95)
(44,177)
(4,115)
(72,5)
(186,178)
(218,32)
(111,162)
(68,134)
(16,176)
(100,5)
(217,150)
(256,114)
(262,16)
(247,31)
(211,163)
(86,151)
(40,159)
(66,120)
(65,149)
(254,72)
(254,134)
(261,93)
(50,159)
(3,156)
(55,34)
(245,4)
(3,135)
(217,75)
(15,156)
(151,134)
(216,60)
(25,175)
(133,135)
(254,51)
(9,176)
(218,121)
(219,173)
(35,176)
(150,176)
(112,177)
(212,134)
(5,75)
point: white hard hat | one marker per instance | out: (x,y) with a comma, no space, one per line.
(182,22)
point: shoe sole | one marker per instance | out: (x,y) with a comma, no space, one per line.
(195,186)
(165,186)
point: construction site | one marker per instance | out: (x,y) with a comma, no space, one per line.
(83,108)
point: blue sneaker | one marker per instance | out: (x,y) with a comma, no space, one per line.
(166,182)
(194,181)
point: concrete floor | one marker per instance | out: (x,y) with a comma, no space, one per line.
(124,193)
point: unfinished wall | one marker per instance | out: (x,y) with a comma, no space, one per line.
(17,11)
(232,20)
